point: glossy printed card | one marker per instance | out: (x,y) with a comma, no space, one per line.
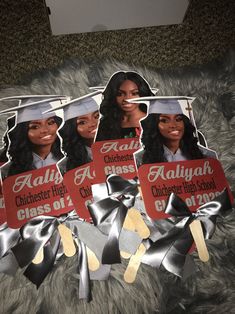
(34,193)
(196,182)
(115,156)
(78,182)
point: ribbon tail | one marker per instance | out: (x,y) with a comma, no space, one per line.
(175,259)
(36,273)
(25,251)
(111,252)
(84,282)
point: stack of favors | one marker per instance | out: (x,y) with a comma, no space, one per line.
(104,195)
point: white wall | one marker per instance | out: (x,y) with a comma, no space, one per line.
(80,16)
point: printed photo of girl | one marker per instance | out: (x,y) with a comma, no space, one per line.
(168,134)
(33,142)
(120,119)
(81,117)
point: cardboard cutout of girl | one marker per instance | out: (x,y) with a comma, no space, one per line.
(168,134)
(33,142)
(81,117)
(120,119)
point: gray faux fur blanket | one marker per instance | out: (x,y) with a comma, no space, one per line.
(212,288)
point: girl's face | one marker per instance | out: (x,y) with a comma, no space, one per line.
(127,90)
(87,125)
(42,132)
(171,127)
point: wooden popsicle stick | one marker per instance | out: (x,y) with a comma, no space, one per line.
(67,240)
(128,224)
(197,233)
(39,257)
(93,262)
(134,264)
(125,255)
(139,223)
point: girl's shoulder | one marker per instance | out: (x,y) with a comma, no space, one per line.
(208,153)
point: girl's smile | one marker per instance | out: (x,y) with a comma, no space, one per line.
(127,90)
(171,127)
(42,132)
(87,125)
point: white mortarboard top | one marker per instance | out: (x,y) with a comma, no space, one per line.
(26,99)
(102,89)
(34,110)
(79,106)
(167,104)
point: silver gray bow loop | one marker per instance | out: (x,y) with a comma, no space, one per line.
(84,282)
(117,184)
(8,238)
(36,233)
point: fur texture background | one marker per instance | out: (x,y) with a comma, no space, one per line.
(212,288)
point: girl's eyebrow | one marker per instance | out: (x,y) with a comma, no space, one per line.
(164,116)
(39,122)
(35,122)
(82,118)
(85,116)
(132,90)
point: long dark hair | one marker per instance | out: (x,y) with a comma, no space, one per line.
(20,148)
(110,123)
(73,145)
(153,141)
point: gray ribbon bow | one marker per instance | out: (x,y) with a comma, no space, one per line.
(109,214)
(171,249)
(42,232)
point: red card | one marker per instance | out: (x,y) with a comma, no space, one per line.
(34,193)
(115,156)
(196,182)
(78,182)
